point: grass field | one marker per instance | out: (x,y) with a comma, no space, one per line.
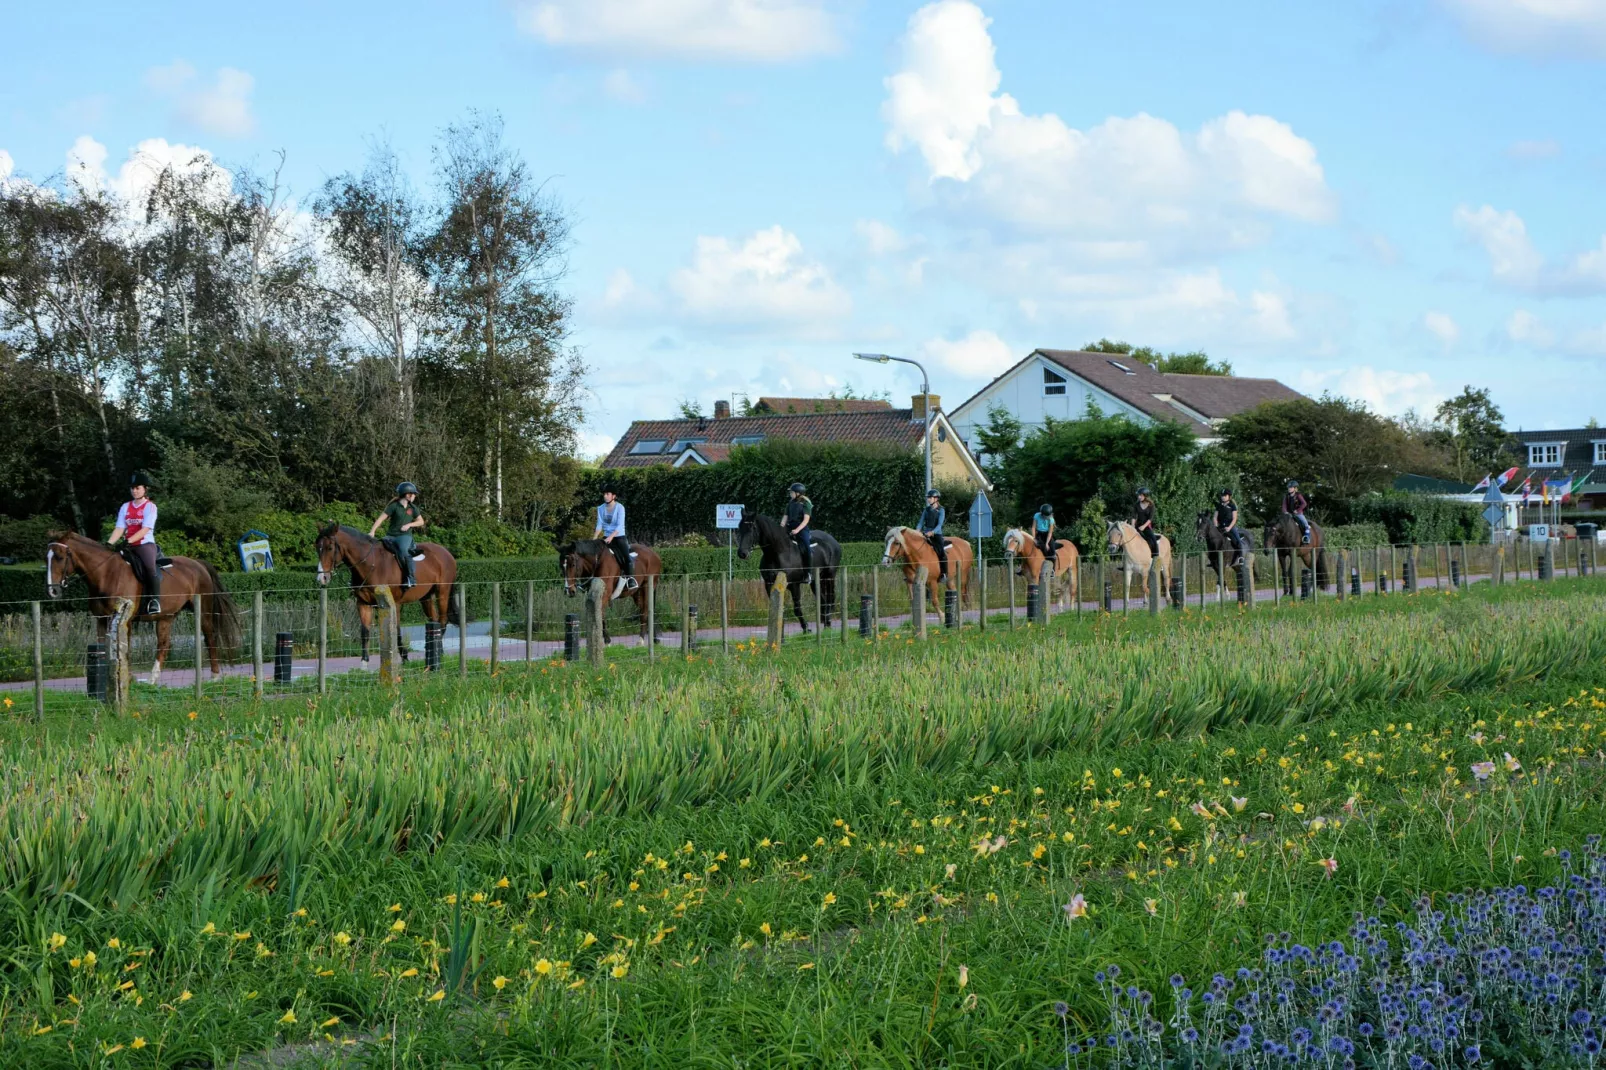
(872,854)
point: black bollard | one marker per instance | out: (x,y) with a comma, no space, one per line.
(1544,563)
(284,652)
(571,637)
(866,617)
(1455,573)
(432,645)
(1243,583)
(1031,603)
(1355,581)
(950,608)
(1382,582)
(1109,595)
(1408,576)
(1176,592)
(1306,583)
(95,671)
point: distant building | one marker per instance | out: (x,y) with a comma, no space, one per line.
(710,439)
(1059,384)
(1578,455)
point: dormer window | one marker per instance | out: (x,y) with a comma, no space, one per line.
(647,445)
(1600,450)
(1053,384)
(1122,367)
(1545,454)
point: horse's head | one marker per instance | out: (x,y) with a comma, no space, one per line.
(59,563)
(895,548)
(1014,542)
(573,566)
(1201,524)
(746,532)
(1115,536)
(330,553)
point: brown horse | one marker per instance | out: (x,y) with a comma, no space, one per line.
(591,558)
(373,565)
(1284,536)
(1018,544)
(912,548)
(186,582)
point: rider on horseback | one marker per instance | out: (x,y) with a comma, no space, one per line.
(136,526)
(1143,520)
(799,511)
(931,519)
(1295,504)
(1043,529)
(403,518)
(611,530)
(1227,519)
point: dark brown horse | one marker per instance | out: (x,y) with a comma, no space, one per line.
(591,559)
(1284,536)
(186,582)
(373,565)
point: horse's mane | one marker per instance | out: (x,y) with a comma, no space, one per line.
(769,525)
(584,547)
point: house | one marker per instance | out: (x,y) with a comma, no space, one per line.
(1578,455)
(710,439)
(1059,384)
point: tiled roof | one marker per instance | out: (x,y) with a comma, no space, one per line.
(781,406)
(881,425)
(1168,395)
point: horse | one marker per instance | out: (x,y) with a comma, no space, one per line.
(186,582)
(1135,557)
(590,558)
(1284,536)
(779,556)
(1219,545)
(1019,544)
(914,550)
(373,565)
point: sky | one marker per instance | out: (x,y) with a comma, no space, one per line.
(1388,199)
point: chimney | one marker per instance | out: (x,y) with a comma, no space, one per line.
(919,403)
(722,410)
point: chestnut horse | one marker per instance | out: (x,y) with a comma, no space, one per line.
(912,548)
(186,582)
(1284,536)
(1135,557)
(373,565)
(590,558)
(1018,544)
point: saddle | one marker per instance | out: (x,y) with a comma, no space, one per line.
(390,544)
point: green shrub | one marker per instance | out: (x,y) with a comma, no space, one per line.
(25,539)
(1421,518)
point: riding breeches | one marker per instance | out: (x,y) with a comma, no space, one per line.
(805,547)
(1043,544)
(621,553)
(402,547)
(1152,539)
(939,544)
(142,559)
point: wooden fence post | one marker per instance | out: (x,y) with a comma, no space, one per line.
(496,624)
(200,661)
(1154,586)
(256,643)
(652,618)
(118,653)
(819,630)
(724,614)
(529,621)
(323,641)
(595,643)
(917,602)
(777,614)
(875,601)
(462,631)
(39,662)
(1045,585)
(1343,574)
(1011,599)
(685,614)
(385,620)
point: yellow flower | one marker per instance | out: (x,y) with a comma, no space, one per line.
(332,1021)
(138,1042)
(56,941)
(587,940)
(40,1031)
(450,900)
(90,959)
(1299,808)
(919,850)
(289,1017)
(440,994)
(477,897)
(398,926)
(503,883)
(238,936)
(115,943)
(543,967)
(209,928)
(619,970)
(499,983)
(964,976)
(342,939)
(1039,851)
(765,929)
(395,908)
(192,715)
(75,963)
(411,971)
(1152,906)
(830,897)
(185,996)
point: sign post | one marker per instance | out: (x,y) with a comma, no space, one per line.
(728,518)
(1496,513)
(981,517)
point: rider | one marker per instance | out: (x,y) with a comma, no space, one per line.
(1296,503)
(799,512)
(136,525)
(404,518)
(931,519)
(611,530)
(1143,520)
(1043,528)
(1227,518)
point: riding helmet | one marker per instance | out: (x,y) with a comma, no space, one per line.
(1224,492)
(610,490)
(1292,483)
(139,479)
(406,488)
(934,493)
(1046,509)
(798,488)
(1143,492)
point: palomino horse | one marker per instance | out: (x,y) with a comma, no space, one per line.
(1135,557)
(1220,546)
(1284,536)
(373,565)
(591,558)
(1019,544)
(187,582)
(779,556)
(913,549)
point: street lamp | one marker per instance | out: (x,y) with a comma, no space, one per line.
(925,391)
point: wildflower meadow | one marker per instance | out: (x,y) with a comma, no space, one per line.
(1333,835)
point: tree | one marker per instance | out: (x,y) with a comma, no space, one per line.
(1471,428)
(1068,462)
(691,409)
(997,440)
(1194,363)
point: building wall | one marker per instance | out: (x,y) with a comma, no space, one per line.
(947,463)
(1021,394)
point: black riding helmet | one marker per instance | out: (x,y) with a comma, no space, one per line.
(1293,484)
(1143,492)
(1046,509)
(798,488)
(1224,492)
(406,488)
(934,493)
(139,479)
(610,490)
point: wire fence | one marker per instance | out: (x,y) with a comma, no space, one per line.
(313,641)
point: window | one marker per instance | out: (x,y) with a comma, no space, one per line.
(682,443)
(1053,384)
(942,433)
(1122,367)
(1545,454)
(647,445)
(747,440)
(1600,451)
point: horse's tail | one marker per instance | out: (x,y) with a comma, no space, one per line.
(447,590)
(224,614)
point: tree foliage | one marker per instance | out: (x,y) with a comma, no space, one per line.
(1196,362)
(1470,429)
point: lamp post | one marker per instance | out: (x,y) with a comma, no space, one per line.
(925,392)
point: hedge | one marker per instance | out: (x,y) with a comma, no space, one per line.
(1421,518)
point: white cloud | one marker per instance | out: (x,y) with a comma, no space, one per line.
(1541,149)
(1384,390)
(595,444)
(1127,181)
(1515,263)
(751,30)
(766,280)
(880,238)
(1529,330)
(86,166)
(1524,327)
(6,166)
(221,107)
(1535,27)
(978,355)
(1442,327)
(621,86)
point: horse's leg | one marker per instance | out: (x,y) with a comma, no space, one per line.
(164,639)
(365,621)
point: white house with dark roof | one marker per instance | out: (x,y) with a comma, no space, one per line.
(1060,384)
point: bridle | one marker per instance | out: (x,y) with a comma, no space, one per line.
(52,588)
(895,537)
(1126,538)
(569,578)
(340,556)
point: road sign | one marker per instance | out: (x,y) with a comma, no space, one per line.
(1539,532)
(256,555)
(727,517)
(981,517)
(1494,515)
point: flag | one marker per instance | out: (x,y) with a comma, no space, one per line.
(1561,488)
(1527,489)
(1483,484)
(1508,475)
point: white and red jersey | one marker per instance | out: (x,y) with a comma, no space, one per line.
(140,515)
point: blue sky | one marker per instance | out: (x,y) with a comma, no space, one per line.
(1387,199)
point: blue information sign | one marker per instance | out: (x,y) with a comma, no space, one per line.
(981,517)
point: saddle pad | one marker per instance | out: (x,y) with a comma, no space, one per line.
(164,562)
(418,557)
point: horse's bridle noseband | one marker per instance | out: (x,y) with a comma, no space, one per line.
(54,590)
